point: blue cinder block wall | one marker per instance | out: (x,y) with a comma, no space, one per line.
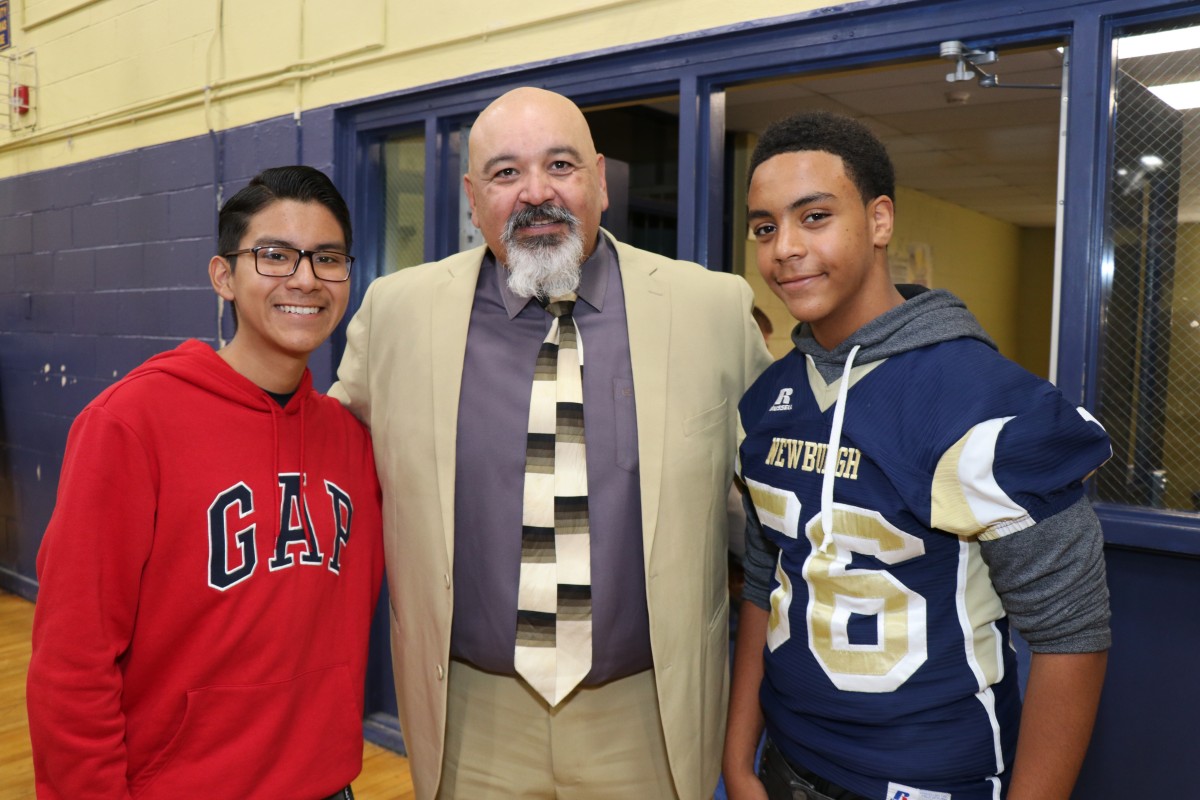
(103,264)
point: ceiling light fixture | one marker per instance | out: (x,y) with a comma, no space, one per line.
(1153,44)
(1179,96)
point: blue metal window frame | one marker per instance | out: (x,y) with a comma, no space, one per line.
(697,67)
(1129,526)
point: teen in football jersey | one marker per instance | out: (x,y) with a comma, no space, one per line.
(911,493)
(209,574)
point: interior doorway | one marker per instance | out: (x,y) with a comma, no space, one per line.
(977,172)
(640,143)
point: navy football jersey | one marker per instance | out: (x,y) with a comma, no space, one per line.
(888,667)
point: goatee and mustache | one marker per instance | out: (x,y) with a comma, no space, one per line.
(547,265)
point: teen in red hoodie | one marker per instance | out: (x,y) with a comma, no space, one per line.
(209,574)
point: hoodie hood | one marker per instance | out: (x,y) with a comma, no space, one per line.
(927,316)
(198,364)
(924,318)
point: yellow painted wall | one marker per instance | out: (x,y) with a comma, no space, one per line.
(114,75)
(974,256)
(1035,300)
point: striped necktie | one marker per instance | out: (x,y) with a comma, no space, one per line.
(554,601)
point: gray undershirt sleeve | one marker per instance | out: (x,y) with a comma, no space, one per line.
(1051,581)
(759,561)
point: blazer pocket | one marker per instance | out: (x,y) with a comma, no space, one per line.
(705,419)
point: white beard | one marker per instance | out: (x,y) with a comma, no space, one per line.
(548,270)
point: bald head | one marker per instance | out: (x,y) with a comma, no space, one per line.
(524,109)
(529,148)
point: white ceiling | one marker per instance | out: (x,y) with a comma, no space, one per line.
(995,153)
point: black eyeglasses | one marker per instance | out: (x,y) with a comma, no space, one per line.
(280,262)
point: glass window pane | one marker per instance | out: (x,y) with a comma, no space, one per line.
(640,143)
(404,202)
(1150,356)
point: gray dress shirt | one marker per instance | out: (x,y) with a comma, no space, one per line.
(505,334)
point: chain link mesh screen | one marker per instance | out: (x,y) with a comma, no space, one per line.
(404,203)
(1150,356)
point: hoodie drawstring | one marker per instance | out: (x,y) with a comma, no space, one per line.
(831,453)
(271,408)
(303,473)
(275,410)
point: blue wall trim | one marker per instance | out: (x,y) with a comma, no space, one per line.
(18,584)
(1144,742)
(1150,529)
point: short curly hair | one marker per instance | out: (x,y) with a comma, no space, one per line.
(864,157)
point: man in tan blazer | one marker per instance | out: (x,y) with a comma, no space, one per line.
(439,363)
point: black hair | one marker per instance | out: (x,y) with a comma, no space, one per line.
(300,183)
(297,182)
(864,157)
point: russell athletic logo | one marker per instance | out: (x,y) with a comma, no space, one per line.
(898,791)
(784,401)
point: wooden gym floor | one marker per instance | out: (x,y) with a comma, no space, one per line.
(385,775)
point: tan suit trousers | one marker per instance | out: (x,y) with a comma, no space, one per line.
(503,741)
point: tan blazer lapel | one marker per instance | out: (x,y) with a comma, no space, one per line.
(450,320)
(648,315)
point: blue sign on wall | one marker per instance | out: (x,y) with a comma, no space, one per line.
(5,41)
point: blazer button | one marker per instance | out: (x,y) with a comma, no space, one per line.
(446,578)
(440,672)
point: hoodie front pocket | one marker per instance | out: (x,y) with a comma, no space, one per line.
(277,739)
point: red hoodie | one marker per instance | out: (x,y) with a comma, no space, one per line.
(206,588)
